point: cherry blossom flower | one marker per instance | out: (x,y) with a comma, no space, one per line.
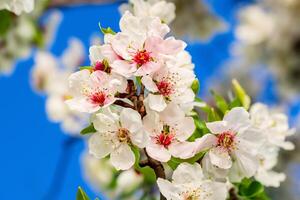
(154,8)
(17,6)
(267,161)
(115,134)
(169,131)
(273,125)
(142,53)
(91,91)
(169,85)
(101,57)
(188,182)
(233,139)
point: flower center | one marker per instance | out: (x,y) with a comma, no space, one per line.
(99,66)
(98,98)
(192,194)
(142,57)
(123,135)
(165,138)
(102,66)
(226,140)
(164,88)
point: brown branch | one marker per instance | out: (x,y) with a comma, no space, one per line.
(123,104)
(158,169)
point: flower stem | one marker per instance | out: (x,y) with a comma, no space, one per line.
(158,169)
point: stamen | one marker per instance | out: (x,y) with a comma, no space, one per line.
(98,98)
(226,140)
(142,57)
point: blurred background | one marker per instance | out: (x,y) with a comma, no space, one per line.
(258,43)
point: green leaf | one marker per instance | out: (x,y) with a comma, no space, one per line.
(174,162)
(200,130)
(88,130)
(241,94)
(148,172)
(195,86)
(81,195)
(107,30)
(38,38)
(235,103)
(251,189)
(86,67)
(220,102)
(5,21)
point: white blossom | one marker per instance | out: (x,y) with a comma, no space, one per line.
(233,140)
(188,182)
(17,6)
(115,134)
(165,11)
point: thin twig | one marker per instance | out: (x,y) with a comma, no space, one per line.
(158,169)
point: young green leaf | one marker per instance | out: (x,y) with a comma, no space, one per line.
(241,94)
(86,67)
(88,130)
(107,30)
(148,172)
(220,102)
(81,195)
(195,86)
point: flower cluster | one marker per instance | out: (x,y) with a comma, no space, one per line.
(140,91)
(20,31)
(267,35)
(50,76)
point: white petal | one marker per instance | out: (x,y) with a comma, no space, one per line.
(140,138)
(148,68)
(149,84)
(207,141)
(80,104)
(185,127)
(99,146)
(270,178)
(220,158)
(211,171)
(217,127)
(170,191)
(158,152)
(152,123)
(187,173)
(131,120)
(172,113)
(156,102)
(247,164)
(122,158)
(219,190)
(77,80)
(105,123)
(123,68)
(183,150)
(237,118)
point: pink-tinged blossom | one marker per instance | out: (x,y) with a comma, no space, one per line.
(169,131)
(232,139)
(169,85)
(142,46)
(92,91)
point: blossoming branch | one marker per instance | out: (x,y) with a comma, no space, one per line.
(140,91)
